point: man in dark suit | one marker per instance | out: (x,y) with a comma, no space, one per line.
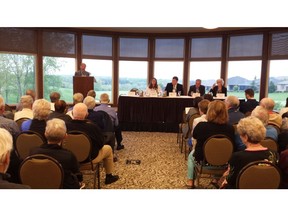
(82,71)
(197,88)
(174,86)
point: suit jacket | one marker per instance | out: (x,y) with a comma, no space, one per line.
(84,73)
(169,88)
(193,89)
(215,91)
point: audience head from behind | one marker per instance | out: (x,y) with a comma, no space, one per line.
(262,114)
(31,92)
(217,112)
(196,101)
(6,145)
(54,96)
(90,102)
(78,98)
(208,97)
(80,111)
(60,106)
(232,102)
(91,93)
(249,93)
(55,131)
(251,130)
(26,101)
(41,109)
(203,106)
(104,98)
(267,103)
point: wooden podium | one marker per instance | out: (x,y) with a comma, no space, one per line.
(83,84)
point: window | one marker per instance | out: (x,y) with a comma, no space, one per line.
(279,44)
(169,48)
(243,75)
(132,74)
(133,47)
(58,76)
(278,82)
(97,46)
(17,74)
(206,47)
(165,71)
(207,71)
(102,71)
(246,46)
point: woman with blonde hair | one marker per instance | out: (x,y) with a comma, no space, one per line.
(217,123)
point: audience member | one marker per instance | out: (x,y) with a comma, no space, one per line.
(197,88)
(99,150)
(54,96)
(6,146)
(252,132)
(91,93)
(217,123)
(60,110)
(104,106)
(283,136)
(232,104)
(30,92)
(41,111)
(26,102)
(208,97)
(274,118)
(284,109)
(77,98)
(250,103)
(55,133)
(174,86)
(195,109)
(283,165)
(262,114)
(218,87)
(153,87)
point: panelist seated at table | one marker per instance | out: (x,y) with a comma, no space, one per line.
(174,86)
(153,88)
(218,88)
(197,88)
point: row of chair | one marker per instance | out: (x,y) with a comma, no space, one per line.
(31,172)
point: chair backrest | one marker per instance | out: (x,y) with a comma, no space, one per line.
(259,175)
(190,124)
(41,172)
(78,143)
(20,121)
(218,150)
(26,141)
(270,144)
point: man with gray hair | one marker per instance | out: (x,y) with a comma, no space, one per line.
(77,98)
(55,133)
(274,118)
(232,104)
(99,151)
(26,102)
(6,147)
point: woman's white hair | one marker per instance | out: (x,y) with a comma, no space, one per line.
(41,109)
(90,102)
(6,144)
(55,130)
(220,79)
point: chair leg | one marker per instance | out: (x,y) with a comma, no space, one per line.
(97,175)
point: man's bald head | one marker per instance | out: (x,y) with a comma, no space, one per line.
(80,111)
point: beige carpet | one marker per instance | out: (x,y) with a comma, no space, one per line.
(162,165)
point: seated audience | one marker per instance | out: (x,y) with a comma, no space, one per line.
(30,92)
(218,87)
(174,86)
(232,104)
(284,109)
(153,87)
(217,123)
(283,165)
(55,133)
(54,96)
(99,150)
(274,118)
(262,114)
(208,97)
(60,110)
(104,106)
(91,93)
(252,132)
(195,109)
(77,98)
(26,102)
(41,111)
(6,146)
(197,88)
(250,103)
(283,136)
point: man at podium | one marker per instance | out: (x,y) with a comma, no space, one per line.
(82,71)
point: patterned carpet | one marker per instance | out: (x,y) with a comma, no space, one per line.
(162,165)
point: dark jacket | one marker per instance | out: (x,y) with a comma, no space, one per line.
(4,184)
(84,73)
(248,106)
(169,88)
(193,89)
(215,91)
